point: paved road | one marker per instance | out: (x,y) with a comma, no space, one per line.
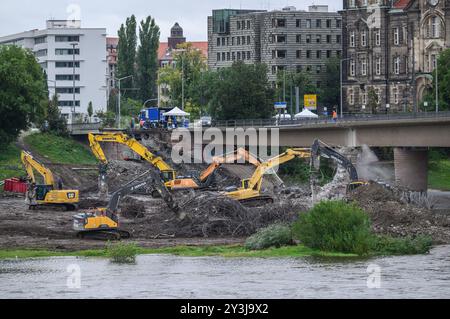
(442,199)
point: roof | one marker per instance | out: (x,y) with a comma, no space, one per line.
(164,46)
(401,4)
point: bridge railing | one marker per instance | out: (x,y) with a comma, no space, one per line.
(83,128)
(327,120)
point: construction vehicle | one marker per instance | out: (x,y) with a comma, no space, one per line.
(249,193)
(49,194)
(103,223)
(320,149)
(173,182)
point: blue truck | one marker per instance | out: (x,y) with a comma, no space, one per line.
(153,117)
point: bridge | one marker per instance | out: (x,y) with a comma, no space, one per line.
(411,135)
(83,128)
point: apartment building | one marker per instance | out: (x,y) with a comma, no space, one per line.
(62,47)
(287,39)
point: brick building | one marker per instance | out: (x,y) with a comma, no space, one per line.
(391,47)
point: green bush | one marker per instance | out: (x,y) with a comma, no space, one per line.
(335,226)
(122,253)
(272,236)
(385,245)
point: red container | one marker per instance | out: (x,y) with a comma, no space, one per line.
(14,185)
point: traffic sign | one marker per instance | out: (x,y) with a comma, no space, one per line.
(280,105)
(311,101)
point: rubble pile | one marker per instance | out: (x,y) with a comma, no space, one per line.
(390,215)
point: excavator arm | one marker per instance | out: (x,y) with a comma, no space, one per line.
(319,149)
(31,164)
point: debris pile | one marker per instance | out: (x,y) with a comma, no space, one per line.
(390,215)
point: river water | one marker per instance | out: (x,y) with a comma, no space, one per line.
(164,276)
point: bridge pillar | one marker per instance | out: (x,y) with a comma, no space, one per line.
(411,168)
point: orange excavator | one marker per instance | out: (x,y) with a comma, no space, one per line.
(172,181)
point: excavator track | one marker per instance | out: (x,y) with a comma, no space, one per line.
(105,235)
(54,207)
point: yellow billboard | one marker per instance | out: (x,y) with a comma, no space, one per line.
(311,102)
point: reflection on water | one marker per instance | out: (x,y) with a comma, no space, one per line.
(155,276)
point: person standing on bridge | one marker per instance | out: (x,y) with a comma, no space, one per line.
(335,116)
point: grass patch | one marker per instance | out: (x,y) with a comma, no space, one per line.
(122,253)
(60,150)
(439,174)
(10,163)
(384,245)
(234,251)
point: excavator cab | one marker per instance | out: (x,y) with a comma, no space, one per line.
(169,175)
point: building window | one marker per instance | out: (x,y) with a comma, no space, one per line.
(378,38)
(281,23)
(308,54)
(364,38)
(239,55)
(397,65)
(406,65)
(328,38)
(319,54)
(351,97)
(318,23)
(299,38)
(299,54)
(249,55)
(318,38)
(338,39)
(67,38)
(308,39)
(352,68)
(68,103)
(243,40)
(68,64)
(60,90)
(338,24)
(223,41)
(41,53)
(238,40)
(67,51)
(298,23)
(249,23)
(67,77)
(396,36)
(351,3)
(40,40)
(328,54)
(364,67)
(218,56)
(238,25)
(233,56)
(228,56)
(352,39)
(318,69)
(281,38)
(378,66)
(280,54)
(329,24)
(223,56)
(248,40)
(395,94)
(308,23)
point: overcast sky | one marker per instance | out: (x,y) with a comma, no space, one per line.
(21,15)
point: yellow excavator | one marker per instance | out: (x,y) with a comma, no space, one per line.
(103,223)
(49,194)
(249,193)
(172,181)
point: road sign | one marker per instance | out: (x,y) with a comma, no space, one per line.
(311,102)
(280,105)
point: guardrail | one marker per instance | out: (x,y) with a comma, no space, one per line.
(348,119)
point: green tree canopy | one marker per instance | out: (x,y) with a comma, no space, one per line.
(444,85)
(23,93)
(287,82)
(330,93)
(126,52)
(241,92)
(147,59)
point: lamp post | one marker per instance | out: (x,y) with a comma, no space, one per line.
(342,76)
(437,87)
(143,106)
(120,96)
(73,85)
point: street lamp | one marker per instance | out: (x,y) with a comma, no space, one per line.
(437,87)
(120,96)
(342,76)
(143,106)
(73,86)
(182,76)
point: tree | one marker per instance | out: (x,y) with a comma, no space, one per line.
(285,83)
(372,98)
(190,64)
(126,55)
(147,59)
(444,85)
(56,123)
(90,110)
(22,92)
(330,94)
(241,92)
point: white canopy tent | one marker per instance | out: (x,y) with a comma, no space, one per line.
(177,112)
(306,114)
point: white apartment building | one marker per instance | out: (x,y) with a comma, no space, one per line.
(53,47)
